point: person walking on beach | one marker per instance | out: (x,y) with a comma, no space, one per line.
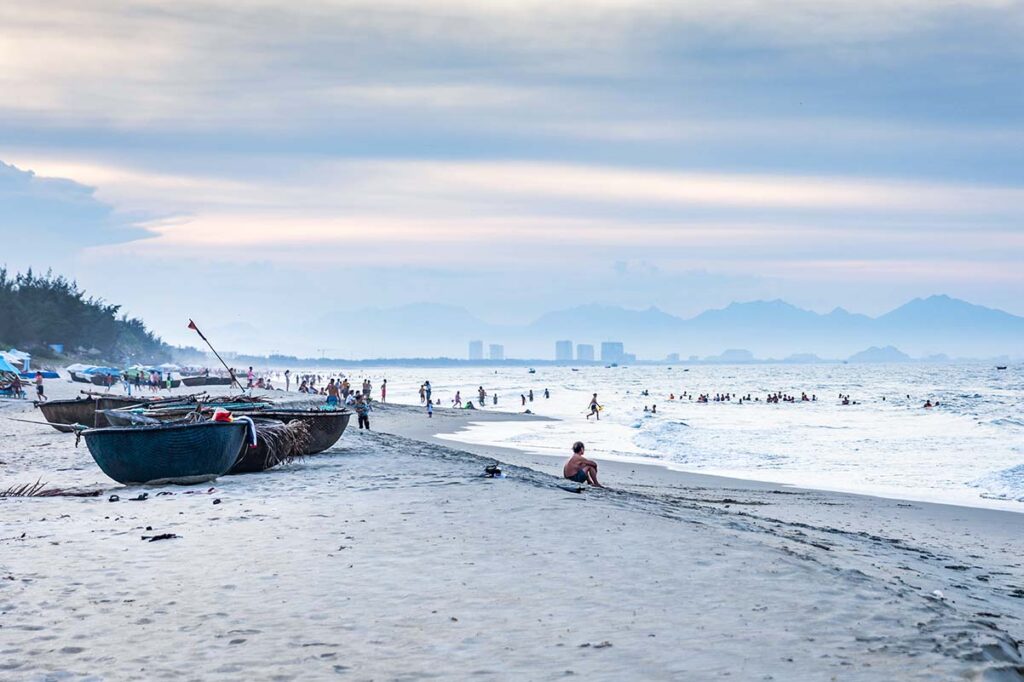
(430,409)
(595,409)
(332,393)
(427,390)
(423,393)
(39,386)
(580,469)
(384,391)
(363,409)
(287,380)
(250,376)
(16,387)
(458,399)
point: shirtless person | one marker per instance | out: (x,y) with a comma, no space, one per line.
(595,409)
(579,468)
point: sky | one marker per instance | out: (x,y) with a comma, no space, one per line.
(267,163)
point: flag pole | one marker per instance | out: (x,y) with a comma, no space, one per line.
(234,381)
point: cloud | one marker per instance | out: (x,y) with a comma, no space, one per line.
(40,213)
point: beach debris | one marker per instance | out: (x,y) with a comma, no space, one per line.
(492,471)
(39,489)
(217,501)
(142,497)
(938,594)
(114,498)
(600,645)
(161,536)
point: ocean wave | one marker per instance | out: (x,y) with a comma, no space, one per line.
(1007,421)
(1007,484)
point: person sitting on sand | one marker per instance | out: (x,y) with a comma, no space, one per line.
(579,468)
(595,409)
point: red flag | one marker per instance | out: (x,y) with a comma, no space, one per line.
(192,326)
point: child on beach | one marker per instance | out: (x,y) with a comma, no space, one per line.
(39,386)
(579,468)
(430,409)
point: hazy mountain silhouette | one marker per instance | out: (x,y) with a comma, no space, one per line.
(922,327)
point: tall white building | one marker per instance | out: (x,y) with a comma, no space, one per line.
(585,352)
(476,350)
(497,351)
(563,351)
(612,351)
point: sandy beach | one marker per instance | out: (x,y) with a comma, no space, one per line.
(392,557)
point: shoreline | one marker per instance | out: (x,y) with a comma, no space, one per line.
(447,436)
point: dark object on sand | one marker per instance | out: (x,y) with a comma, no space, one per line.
(194,381)
(162,536)
(325,426)
(171,453)
(276,443)
(39,489)
(492,471)
(86,411)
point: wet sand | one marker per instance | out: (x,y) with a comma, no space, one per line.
(392,557)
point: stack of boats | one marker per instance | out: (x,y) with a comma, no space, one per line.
(195,438)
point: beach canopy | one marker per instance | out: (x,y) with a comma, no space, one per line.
(5,366)
(109,371)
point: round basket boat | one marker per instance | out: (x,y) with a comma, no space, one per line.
(325,426)
(167,453)
(83,410)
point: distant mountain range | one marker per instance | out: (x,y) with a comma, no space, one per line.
(938,324)
(767,329)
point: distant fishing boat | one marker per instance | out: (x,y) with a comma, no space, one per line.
(167,453)
(533,371)
(77,372)
(1000,366)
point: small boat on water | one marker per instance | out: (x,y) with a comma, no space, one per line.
(84,411)
(167,453)
(1001,367)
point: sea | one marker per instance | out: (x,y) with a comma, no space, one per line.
(968,450)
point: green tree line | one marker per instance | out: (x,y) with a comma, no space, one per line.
(36,311)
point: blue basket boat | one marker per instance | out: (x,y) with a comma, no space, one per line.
(167,453)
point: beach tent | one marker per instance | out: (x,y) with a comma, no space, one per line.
(7,367)
(16,356)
